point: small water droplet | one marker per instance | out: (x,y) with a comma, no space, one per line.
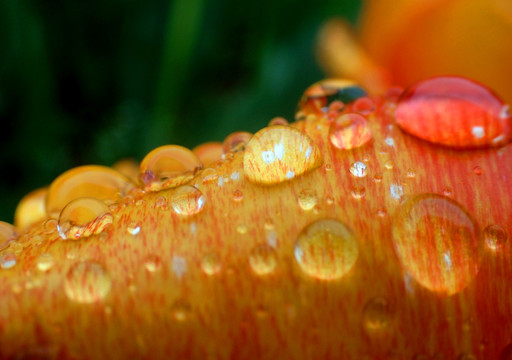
(328,167)
(377,178)
(477,170)
(187,200)
(377,314)
(133,228)
(140,202)
(168,166)
(329,200)
(181,310)
(262,259)
(241,229)
(8,260)
(382,212)
(211,263)
(326,249)
(359,169)
(84,217)
(411,174)
(358,192)
(236,142)
(209,175)
(45,262)
(447,191)
(152,263)
(208,153)
(349,131)
(495,237)
(388,164)
(307,199)
(436,241)
(51,226)
(453,111)
(238,196)
(16,247)
(161,203)
(279,153)
(364,106)
(87,282)
(278,120)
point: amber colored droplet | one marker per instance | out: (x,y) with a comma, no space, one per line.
(236,142)
(8,260)
(45,262)
(211,263)
(326,249)
(209,175)
(436,241)
(262,259)
(278,120)
(495,237)
(377,314)
(318,98)
(455,112)
(168,166)
(181,310)
(187,200)
(8,233)
(349,131)
(307,199)
(84,217)
(363,105)
(279,153)
(152,263)
(238,195)
(31,209)
(87,282)
(477,170)
(95,181)
(129,168)
(208,153)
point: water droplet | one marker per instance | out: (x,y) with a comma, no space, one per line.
(358,169)
(396,191)
(181,310)
(133,228)
(45,262)
(364,105)
(279,153)
(326,249)
(87,282)
(307,199)
(329,200)
(208,153)
(269,224)
(318,98)
(209,175)
(8,233)
(140,202)
(16,247)
(8,260)
(278,121)
(382,212)
(161,203)
(328,167)
(411,174)
(168,166)
(477,170)
(453,111)
(394,93)
(152,263)
(238,195)
(187,200)
(95,181)
(236,142)
(377,177)
(349,131)
(447,191)
(31,209)
(50,226)
(358,192)
(436,241)
(377,314)
(262,259)
(495,237)
(211,263)
(84,217)
(241,229)
(388,164)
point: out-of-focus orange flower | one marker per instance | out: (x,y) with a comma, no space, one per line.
(414,39)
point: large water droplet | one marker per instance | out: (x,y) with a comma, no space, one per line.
(326,249)
(84,217)
(168,166)
(8,233)
(307,199)
(31,209)
(236,142)
(495,237)
(377,314)
(350,131)
(95,181)
(279,153)
(187,200)
(262,259)
(455,112)
(87,282)
(436,241)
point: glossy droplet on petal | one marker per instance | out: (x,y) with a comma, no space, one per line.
(455,112)
(45,262)
(495,237)
(363,105)
(208,153)
(133,228)
(279,153)
(236,142)
(8,233)
(262,259)
(181,310)
(84,217)
(436,241)
(349,131)
(87,282)
(8,260)
(211,263)
(95,181)
(31,209)
(326,249)
(168,166)
(187,200)
(318,97)
(278,120)
(152,263)
(307,199)
(359,169)
(377,314)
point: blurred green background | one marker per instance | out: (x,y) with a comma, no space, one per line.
(91,82)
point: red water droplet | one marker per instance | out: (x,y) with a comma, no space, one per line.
(455,112)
